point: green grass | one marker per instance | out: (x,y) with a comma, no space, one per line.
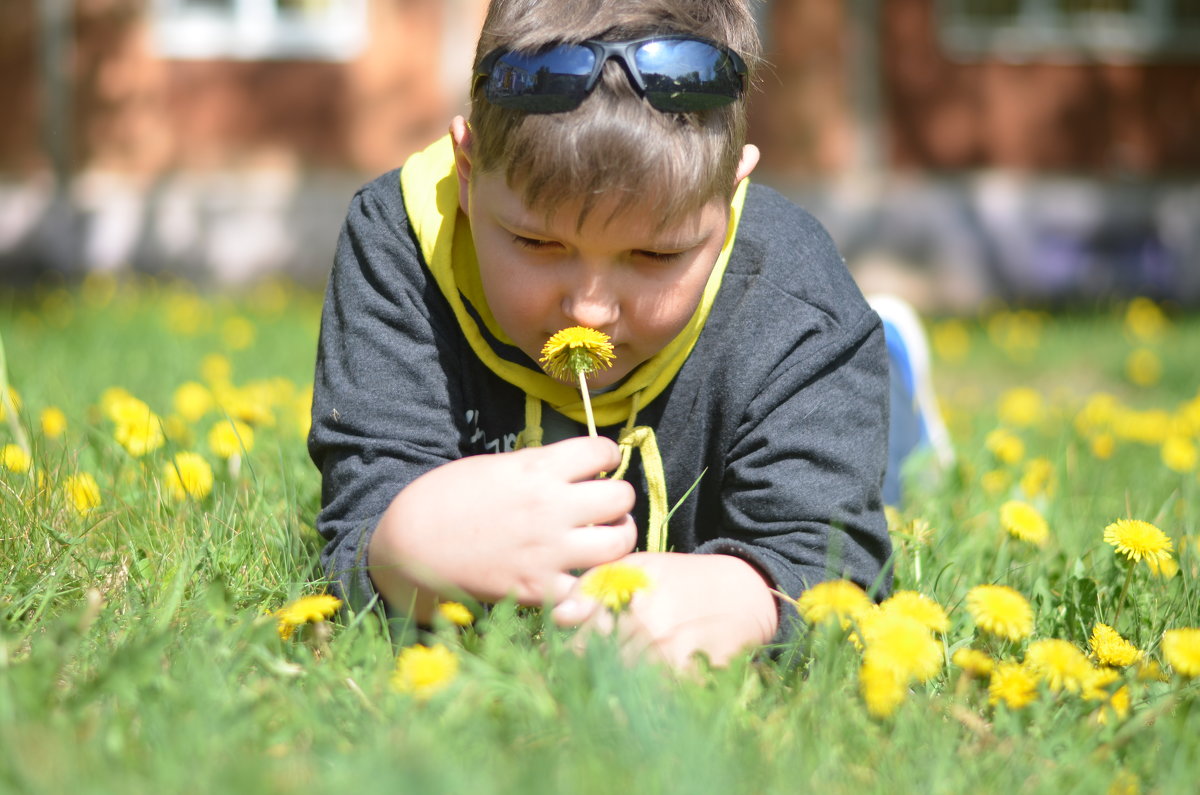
(138,653)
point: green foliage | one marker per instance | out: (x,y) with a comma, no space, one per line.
(138,650)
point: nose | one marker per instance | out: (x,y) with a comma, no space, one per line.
(591,302)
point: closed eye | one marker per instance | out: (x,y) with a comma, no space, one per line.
(533,243)
(658,256)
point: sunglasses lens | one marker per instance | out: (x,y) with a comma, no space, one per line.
(682,75)
(546,82)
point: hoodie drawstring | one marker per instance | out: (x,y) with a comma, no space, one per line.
(632,436)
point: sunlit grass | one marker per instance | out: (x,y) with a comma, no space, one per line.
(140,648)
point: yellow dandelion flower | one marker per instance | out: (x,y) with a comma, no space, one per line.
(1020,407)
(900,644)
(229,438)
(53,421)
(574,351)
(1001,611)
(1111,649)
(1059,663)
(882,689)
(1181,649)
(1143,367)
(305,610)
(114,397)
(1038,477)
(1179,454)
(1006,446)
(974,662)
(950,339)
(16,404)
(422,671)
(1144,319)
(1125,782)
(192,400)
(1150,671)
(1138,540)
(15,459)
(1103,446)
(920,607)
(995,481)
(216,369)
(456,613)
(188,475)
(1013,684)
(237,333)
(1096,682)
(840,599)
(1117,705)
(1023,521)
(138,428)
(614,584)
(83,493)
(1163,567)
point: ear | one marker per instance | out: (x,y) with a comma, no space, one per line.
(460,136)
(750,155)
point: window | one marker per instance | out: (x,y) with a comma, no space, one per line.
(1072,29)
(260,29)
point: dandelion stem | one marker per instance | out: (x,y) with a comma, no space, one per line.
(587,403)
(1124,590)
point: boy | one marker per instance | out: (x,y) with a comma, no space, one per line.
(601,182)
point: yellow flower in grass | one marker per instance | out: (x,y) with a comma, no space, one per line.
(216,368)
(1179,454)
(456,613)
(900,644)
(1181,649)
(53,421)
(1001,611)
(1020,406)
(1103,446)
(614,584)
(1038,477)
(1060,664)
(1005,445)
(1144,319)
(423,671)
(83,493)
(1023,521)
(995,481)
(1138,540)
(16,403)
(188,475)
(840,599)
(15,459)
(1095,683)
(974,662)
(228,438)
(1111,649)
(883,690)
(576,350)
(1143,367)
(1117,705)
(1013,684)
(305,610)
(192,400)
(139,430)
(1163,567)
(920,607)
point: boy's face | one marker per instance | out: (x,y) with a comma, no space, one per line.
(620,274)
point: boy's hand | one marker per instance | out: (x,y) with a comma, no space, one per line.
(714,604)
(508,524)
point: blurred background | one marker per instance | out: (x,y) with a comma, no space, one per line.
(960,151)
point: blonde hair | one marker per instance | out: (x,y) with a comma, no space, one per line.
(614,143)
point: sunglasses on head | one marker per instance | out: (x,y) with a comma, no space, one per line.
(675,73)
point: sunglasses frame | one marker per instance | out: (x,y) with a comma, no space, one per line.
(625,52)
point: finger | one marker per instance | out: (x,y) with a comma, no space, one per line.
(600,501)
(586,547)
(580,458)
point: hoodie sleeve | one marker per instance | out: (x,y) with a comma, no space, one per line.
(386,402)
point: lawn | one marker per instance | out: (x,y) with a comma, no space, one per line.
(161,523)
